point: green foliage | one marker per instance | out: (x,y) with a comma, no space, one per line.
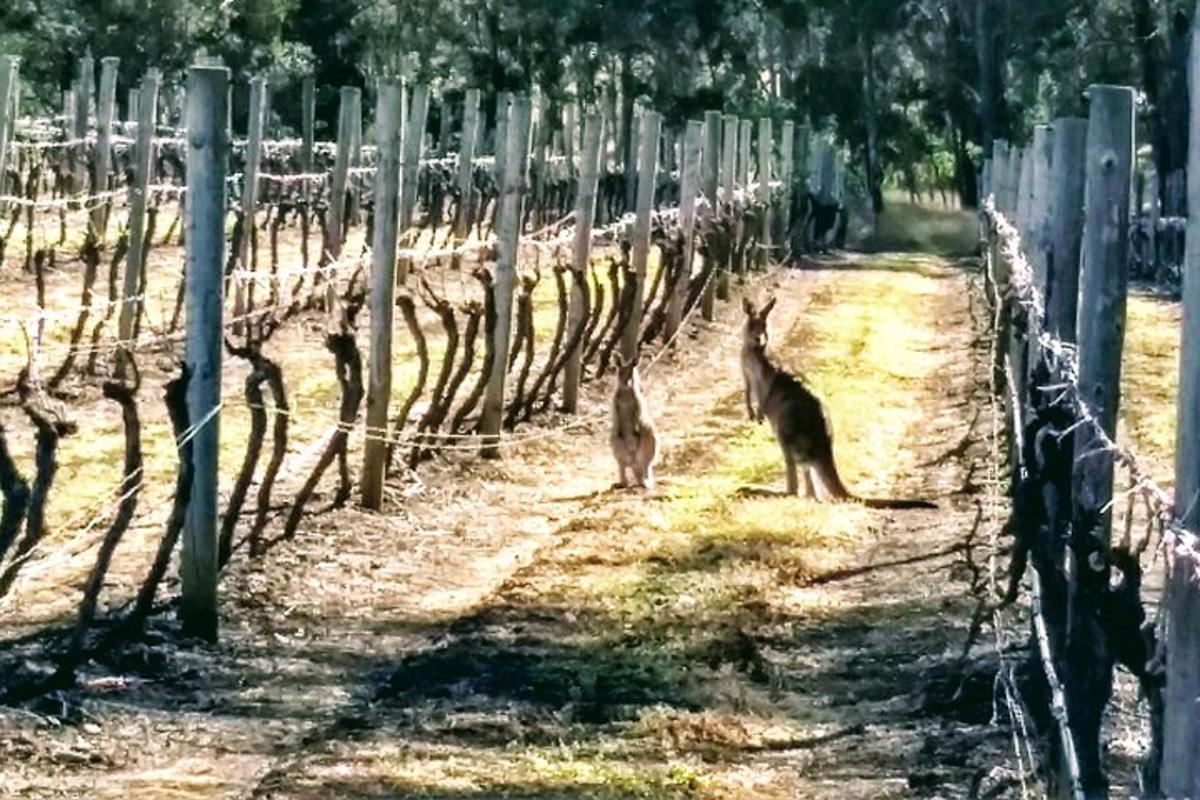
(914,89)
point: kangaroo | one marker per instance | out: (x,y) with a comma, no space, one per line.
(796,416)
(634,441)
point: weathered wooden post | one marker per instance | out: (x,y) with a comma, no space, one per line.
(383,288)
(1024,197)
(102,159)
(243,292)
(354,182)
(1180,775)
(1103,284)
(308,116)
(8,114)
(207,159)
(729,180)
(743,155)
(418,113)
(765,136)
(466,161)
(631,153)
(1041,153)
(787,175)
(710,181)
(1041,208)
(1066,226)
(512,193)
(689,186)
(585,214)
(143,173)
(503,112)
(1013,193)
(341,175)
(84,84)
(569,126)
(648,133)
(541,141)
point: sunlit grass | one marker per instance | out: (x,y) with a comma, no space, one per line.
(904,226)
(579,770)
(1150,374)
(665,593)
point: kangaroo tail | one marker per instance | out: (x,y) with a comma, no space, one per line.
(827,470)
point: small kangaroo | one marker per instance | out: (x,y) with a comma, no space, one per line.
(796,417)
(634,441)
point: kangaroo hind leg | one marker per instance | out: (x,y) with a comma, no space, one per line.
(810,490)
(793,477)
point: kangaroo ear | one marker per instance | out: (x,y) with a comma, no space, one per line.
(748,306)
(767,308)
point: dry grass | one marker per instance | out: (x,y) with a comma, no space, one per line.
(1150,375)
(644,642)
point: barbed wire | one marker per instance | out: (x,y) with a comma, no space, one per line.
(1064,359)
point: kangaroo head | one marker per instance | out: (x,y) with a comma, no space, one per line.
(627,374)
(755,333)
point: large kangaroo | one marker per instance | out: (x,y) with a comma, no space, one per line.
(796,416)
(634,441)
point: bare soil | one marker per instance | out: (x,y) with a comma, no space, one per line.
(520,629)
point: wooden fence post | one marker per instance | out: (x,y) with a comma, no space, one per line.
(1066,226)
(569,125)
(1041,207)
(503,112)
(632,152)
(743,155)
(207,162)
(131,306)
(1181,696)
(1103,284)
(787,175)
(729,181)
(308,114)
(354,180)
(765,136)
(388,125)
(512,193)
(8,114)
(84,85)
(1024,197)
(585,215)
(466,166)
(648,135)
(341,174)
(541,140)
(689,186)
(102,159)
(418,113)
(308,117)
(711,183)
(243,291)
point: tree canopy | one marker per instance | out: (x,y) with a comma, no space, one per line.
(916,89)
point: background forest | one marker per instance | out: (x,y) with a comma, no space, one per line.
(914,88)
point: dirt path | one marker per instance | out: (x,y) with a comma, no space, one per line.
(518,630)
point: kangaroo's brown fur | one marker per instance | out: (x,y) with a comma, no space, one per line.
(634,440)
(796,416)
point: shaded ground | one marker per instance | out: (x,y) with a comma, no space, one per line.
(520,630)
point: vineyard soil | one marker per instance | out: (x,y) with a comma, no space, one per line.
(519,629)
